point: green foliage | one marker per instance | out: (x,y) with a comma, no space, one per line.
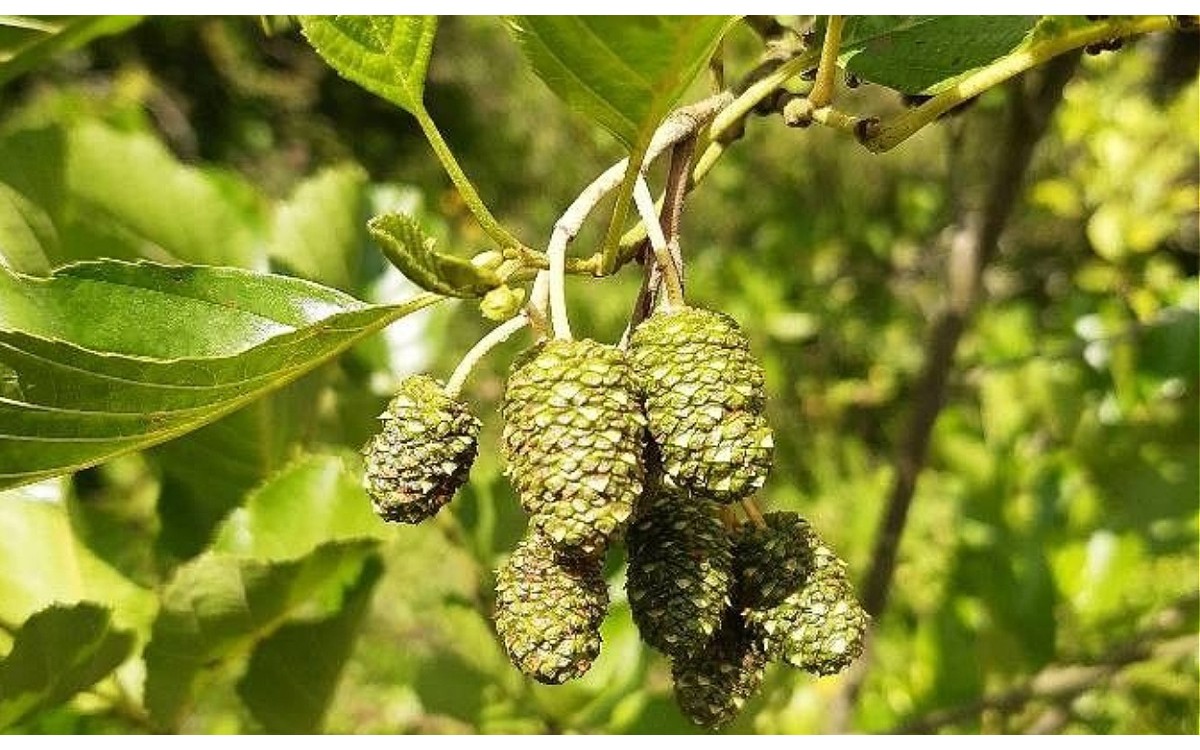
(26,234)
(386,55)
(28,42)
(130,186)
(312,501)
(287,694)
(176,347)
(923,54)
(189,293)
(217,605)
(623,72)
(317,231)
(56,653)
(42,561)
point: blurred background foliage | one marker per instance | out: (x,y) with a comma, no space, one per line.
(1054,527)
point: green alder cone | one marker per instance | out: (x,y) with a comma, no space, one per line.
(820,627)
(704,395)
(772,562)
(712,686)
(549,611)
(422,454)
(680,575)
(573,439)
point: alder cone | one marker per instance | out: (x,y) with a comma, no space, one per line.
(819,627)
(422,454)
(549,610)
(680,575)
(573,440)
(704,398)
(772,562)
(712,685)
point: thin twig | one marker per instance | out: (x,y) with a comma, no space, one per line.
(971,250)
(679,173)
(491,340)
(658,243)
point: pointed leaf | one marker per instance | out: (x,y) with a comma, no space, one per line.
(386,55)
(107,357)
(922,54)
(411,250)
(294,672)
(623,72)
(218,606)
(55,654)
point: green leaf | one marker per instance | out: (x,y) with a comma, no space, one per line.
(313,501)
(623,72)
(207,473)
(293,673)
(58,652)
(409,249)
(27,237)
(108,357)
(317,233)
(45,38)
(922,54)
(386,55)
(130,187)
(218,606)
(42,561)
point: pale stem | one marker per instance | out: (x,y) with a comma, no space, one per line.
(491,340)
(662,253)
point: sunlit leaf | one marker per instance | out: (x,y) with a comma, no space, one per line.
(42,562)
(386,55)
(109,357)
(312,501)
